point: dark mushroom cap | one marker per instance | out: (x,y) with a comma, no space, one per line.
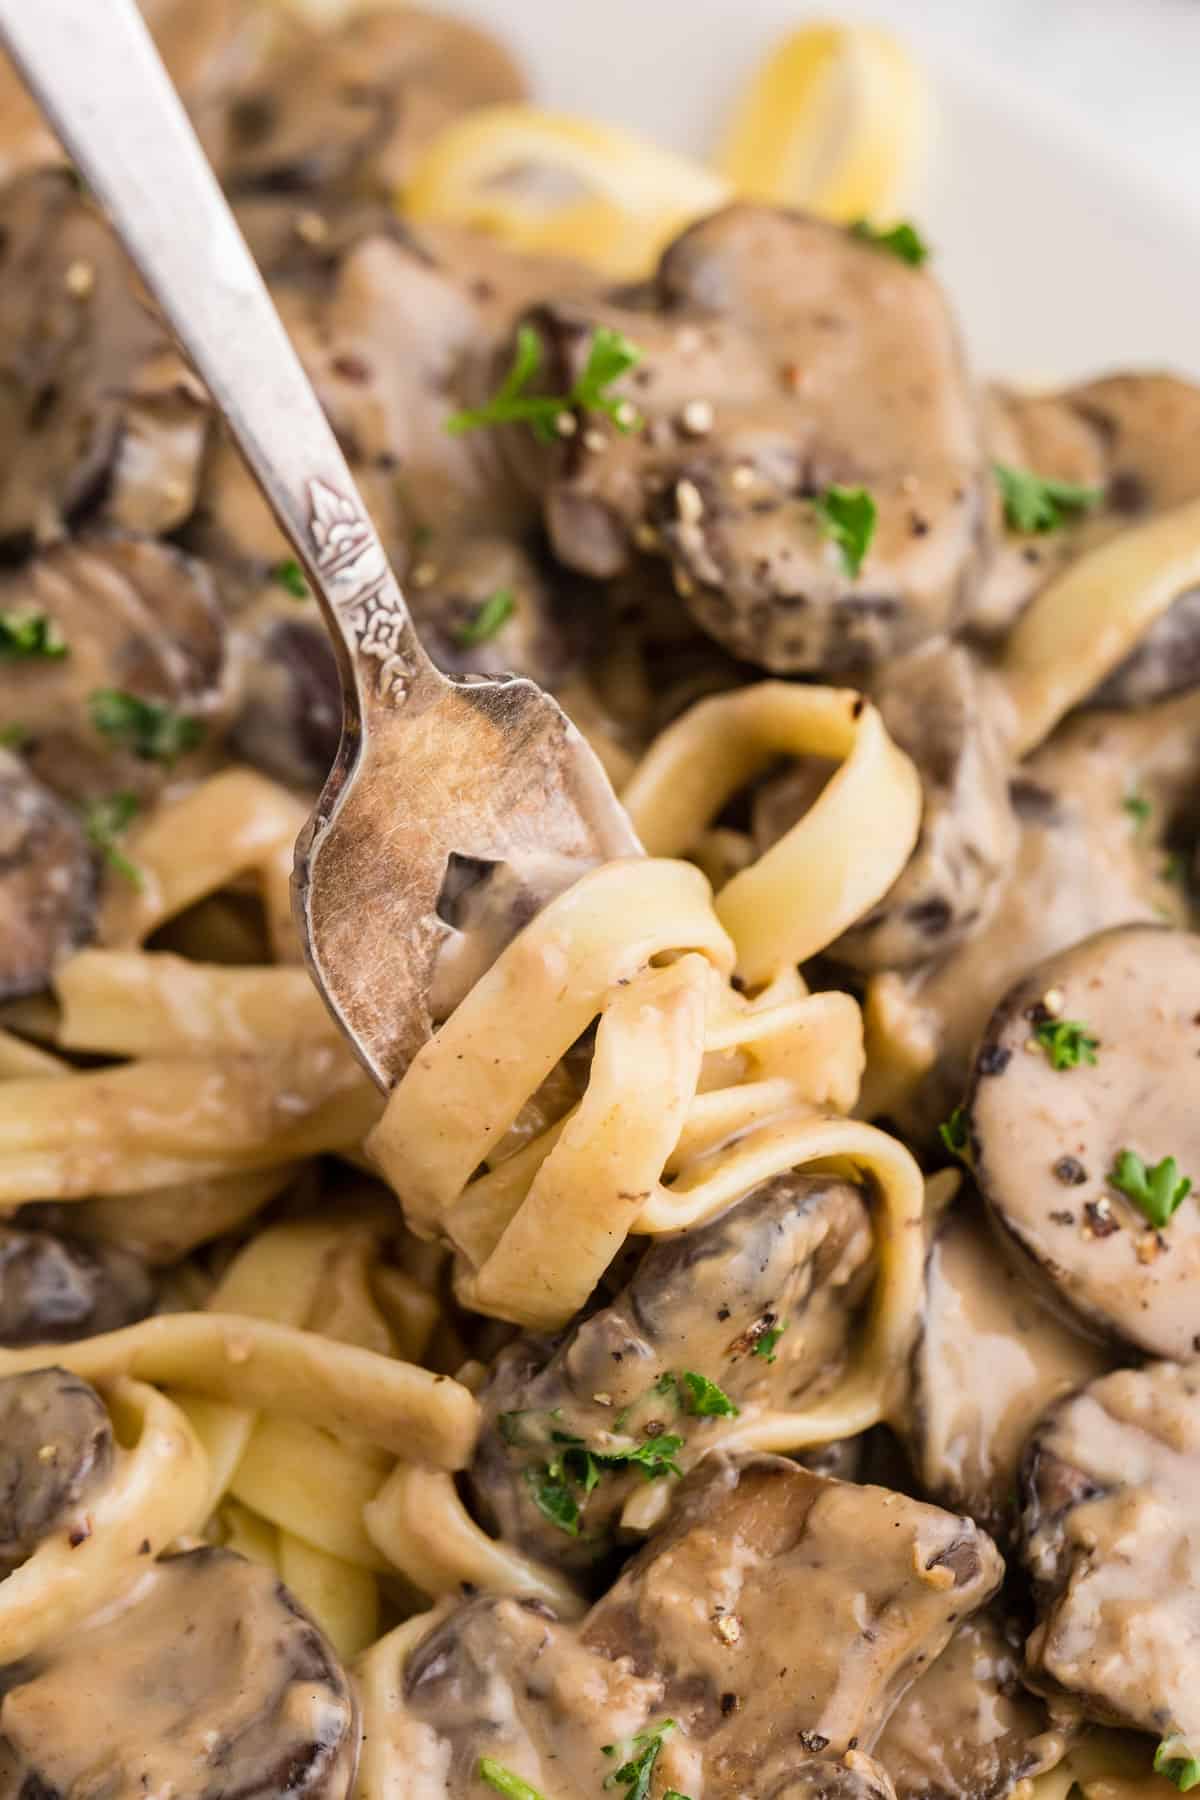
(47,881)
(55,1288)
(1047,1141)
(211,1680)
(56,1450)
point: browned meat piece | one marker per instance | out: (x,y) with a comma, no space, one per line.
(209,1680)
(1102,808)
(987,1363)
(55,1287)
(56,1449)
(760,1301)
(1112,1540)
(47,881)
(1136,438)
(98,412)
(782,356)
(936,706)
(778,1608)
(1049,1142)
(137,618)
(968,1729)
(353,106)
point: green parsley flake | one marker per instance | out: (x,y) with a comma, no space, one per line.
(13,736)
(1066,1042)
(31,634)
(848,515)
(1038,503)
(574,1469)
(955,1136)
(105,821)
(488,619)
(903,240)
(610,356)
(764,1344)
(638,1759)
(504,1781)
(1173,1759)
(1175,870)
(1158,1192)
(152,730)
(290,575)
(704,1398)
(1138,808)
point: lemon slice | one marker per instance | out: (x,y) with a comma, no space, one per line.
(835,121)
(553,183)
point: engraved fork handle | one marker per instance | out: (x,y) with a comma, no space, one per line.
(95,71)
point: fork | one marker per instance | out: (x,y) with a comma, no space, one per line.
(429,771)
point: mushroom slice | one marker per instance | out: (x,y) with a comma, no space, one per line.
(136,617)
(98,411)
(1076,1106)
(936,706)
(211,1680)
(47,881)
(968,1729)
(56,1450)
(1112,1540)
(777,1608)
(743,1314)
(988,1361)
(354,105)
(858,1777)
(55,1289)
(782,358)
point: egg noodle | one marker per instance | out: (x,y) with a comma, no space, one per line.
(310,1401)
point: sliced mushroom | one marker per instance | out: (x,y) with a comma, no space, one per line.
(210,1680)
(781,356)
(1112,1540)
(1135,439)
(98,411)
(354,105)
(1048,1142)
(290,719)
(989,1360)
(936,706)
(1101,807)
(56,1450)
(857,1777)
(761,1302)
(47,881)
(55,1288)
(135,616)
(968,1729)
(717,1603)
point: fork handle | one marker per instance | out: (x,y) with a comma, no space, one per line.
(94,69)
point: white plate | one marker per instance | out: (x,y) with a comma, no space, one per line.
(1063,256)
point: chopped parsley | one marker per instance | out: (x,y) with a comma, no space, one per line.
(903,240)
(764,1344)
(1175,870)
(1138,808)
(1039,503)
(574,1470)
(504,1781)
(1158,1192)
(105,821)
(848,515)
(290,576)
(30,634)
(13,736)
(1066,1042)
(152,730)
(638,1759)
(610,356)
(1172,1760)
(955,1136)
(704,1398)
(488,619)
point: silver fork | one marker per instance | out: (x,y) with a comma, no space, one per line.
(428,769)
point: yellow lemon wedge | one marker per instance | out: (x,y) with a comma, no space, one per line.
(557,184)
(835,121)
